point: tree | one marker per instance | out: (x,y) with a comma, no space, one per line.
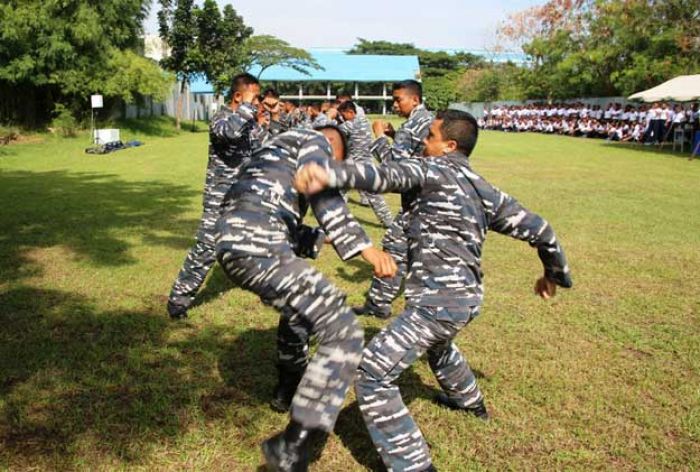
(61,52)
(221,43)
(383,48)
(593,48)
(266,51)
(177,23)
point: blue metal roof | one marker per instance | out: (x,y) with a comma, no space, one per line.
(337,67)
(340,67)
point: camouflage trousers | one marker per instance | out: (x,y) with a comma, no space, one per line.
(202,256)
(383,291)
(293,335)
(379,207)
(416,331)
(301,293)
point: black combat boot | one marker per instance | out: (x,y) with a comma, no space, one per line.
(290,450)
(477,409)
(177,312)
(371,309)
(285,389)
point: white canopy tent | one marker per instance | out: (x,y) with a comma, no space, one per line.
(684,88)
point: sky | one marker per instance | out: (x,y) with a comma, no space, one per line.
(429,24)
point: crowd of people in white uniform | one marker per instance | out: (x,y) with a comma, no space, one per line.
(645,123)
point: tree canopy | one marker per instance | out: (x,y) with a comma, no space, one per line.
(605,47)
(61,52)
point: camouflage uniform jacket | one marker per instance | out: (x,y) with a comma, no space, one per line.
(264,190)
(359,133)
(233,136)
(408,140)
(447,224)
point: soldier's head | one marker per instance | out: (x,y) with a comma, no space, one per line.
(244,88)
(325,106)
(313,110)
(452,130)
(337,140)
(342,97)
(270,101)
(407,94)
(289,106)
(347,110)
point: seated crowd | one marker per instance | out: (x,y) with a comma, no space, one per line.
(643,124)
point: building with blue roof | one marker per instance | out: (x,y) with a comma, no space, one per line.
(364,76)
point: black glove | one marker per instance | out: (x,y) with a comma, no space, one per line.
(309,241)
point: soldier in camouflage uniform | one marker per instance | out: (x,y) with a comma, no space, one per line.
(255,246)
(408,143)
(359,133)
(272,120)
(233,134)
(448,218)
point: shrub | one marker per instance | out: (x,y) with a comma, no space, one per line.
(64,121)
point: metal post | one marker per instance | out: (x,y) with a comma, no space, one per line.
(328,91)
(301,92)
(384,98)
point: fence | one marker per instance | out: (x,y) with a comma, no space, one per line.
(194,106)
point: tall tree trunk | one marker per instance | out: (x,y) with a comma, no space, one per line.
(180,100)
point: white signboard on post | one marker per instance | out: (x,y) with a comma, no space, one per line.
(96,101)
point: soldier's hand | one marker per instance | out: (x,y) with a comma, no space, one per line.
(389,130)
(332,113)
(545,288)
(384,265)
(248,95)
(311,179)
(378,126)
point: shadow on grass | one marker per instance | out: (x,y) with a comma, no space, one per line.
(161,126)
(665,151)
(355,271)
(84,213)
(216,285)
(73,377)
(373,224)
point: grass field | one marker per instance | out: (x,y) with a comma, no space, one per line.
(93,376)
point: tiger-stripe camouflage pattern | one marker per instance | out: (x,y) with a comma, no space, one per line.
(413,333)
(359,133)
(447,222)
(255,239)
(233,135)
(446,225)
(408,143)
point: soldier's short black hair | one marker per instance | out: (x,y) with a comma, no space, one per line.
(411,86)
(243,80)
(271,92)
(461,127)
(347,106)
(343,137)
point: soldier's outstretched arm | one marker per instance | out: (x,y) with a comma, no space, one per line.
(344,232)
(231,127)
(399,176)
(509,217)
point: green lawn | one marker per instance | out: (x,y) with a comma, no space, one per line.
(93,376)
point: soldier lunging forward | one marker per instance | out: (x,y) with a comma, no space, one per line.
(255,246)
(447,223)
